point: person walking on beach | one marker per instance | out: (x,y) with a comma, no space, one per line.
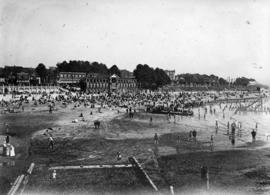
(7,139)
(156,138)
(233,128)
(212,142)
(216,126)
(253,134)
(228,128)
(233,139)
(51,143)
(119,156)
(194,133)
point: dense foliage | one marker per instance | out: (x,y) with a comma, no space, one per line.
(114,70)
(42,72)
(150,78)
(82,66)
(147,77)
(243,81)
(200,79)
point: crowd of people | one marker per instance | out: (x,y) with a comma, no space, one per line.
(139,101)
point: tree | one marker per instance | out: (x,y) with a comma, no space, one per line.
(42,72)
(243,81)
(150,78)
(222,81)
(114,70)
(161,78)
(82,66)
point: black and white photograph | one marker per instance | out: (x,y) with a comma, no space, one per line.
(134,97)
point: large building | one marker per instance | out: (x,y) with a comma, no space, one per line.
(23,78)
(119,84)
(67,78)
(171,74)
(96,83)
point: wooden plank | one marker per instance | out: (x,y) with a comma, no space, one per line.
(138,166)
(16,185)
(30,169)
(12,187)
(90,167)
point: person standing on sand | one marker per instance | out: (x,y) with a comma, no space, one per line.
(194,133)
(212,140)
(156,138)
(228,128)
(253,134)
(118,156)
(7,139)
(51,143)
(233,139)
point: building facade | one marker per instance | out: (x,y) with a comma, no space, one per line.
(119,84)
(96,83)
(67,78)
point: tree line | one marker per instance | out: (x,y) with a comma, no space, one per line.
(203,79)
(146,76)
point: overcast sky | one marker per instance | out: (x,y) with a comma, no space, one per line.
(222,37)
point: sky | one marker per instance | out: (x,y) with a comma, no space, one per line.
(228,38)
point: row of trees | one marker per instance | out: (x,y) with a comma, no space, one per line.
(147,77)
(74,66)
(203,79)
(150,78)
(200,79)
(243,81)
(85,66)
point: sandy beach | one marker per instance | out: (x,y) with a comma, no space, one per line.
(171,162)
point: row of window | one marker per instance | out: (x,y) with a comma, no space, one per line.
(101,85)
(106,81)
(98,81)
(71,75)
